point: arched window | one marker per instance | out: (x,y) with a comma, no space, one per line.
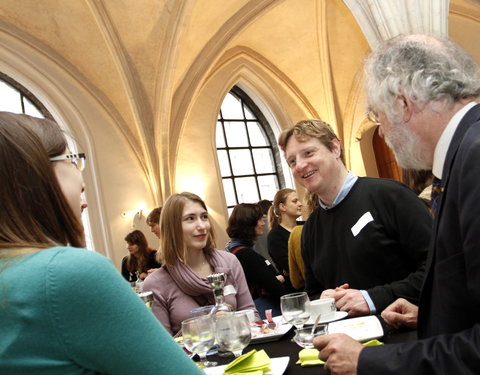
(15,98)
(247,151)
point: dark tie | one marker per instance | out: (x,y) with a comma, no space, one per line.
(437,190)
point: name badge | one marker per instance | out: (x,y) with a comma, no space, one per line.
(364,220)
(229,289)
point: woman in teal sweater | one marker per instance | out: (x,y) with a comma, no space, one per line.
(64,309)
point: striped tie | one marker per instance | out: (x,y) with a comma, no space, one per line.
(437,191)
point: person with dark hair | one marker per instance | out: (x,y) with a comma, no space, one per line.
(421,90)
(261,245)
(153,221)
(360,246)
(70,311)
(245,224)
(189,256)
(141,260)
(282,218)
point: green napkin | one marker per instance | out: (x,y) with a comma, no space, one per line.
(253,363)
(309,357)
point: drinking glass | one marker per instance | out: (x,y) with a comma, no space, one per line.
(199,337)
(304,336)
(233,332)
(295,308)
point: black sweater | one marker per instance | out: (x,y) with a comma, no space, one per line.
(385,256)
(259,272)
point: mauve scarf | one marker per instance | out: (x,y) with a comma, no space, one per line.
(197,287)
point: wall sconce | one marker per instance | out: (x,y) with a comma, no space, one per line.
(135,214)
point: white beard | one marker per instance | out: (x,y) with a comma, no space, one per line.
(407,148)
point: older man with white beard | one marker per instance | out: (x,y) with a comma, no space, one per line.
(421,90)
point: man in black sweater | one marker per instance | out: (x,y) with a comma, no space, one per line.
(360,246)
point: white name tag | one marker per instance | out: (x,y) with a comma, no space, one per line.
(267,262)
(364,220)
(229,289)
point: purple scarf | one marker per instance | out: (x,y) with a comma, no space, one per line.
(197,287)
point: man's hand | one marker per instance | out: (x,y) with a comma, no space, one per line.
(401,313)
(330,293)
(340,353)
(349,300)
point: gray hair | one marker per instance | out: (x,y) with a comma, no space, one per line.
(426,68)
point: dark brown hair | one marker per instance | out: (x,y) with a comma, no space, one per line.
(138,262)
(243,220)
(33,210)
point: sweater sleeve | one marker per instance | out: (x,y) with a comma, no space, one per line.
(244,298)
(259,271)
(414,237)
(160,308)
(295,260)
(125,272)
(312,286)
(102,324)
(278,249)
(440,355)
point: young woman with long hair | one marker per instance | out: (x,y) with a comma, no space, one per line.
(64,309)
(141,260)
(188,253)
(282,218)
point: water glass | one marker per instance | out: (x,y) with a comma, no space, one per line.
(199,337)
(233,332)
(295,308)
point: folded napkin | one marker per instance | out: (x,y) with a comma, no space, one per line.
(252,363)
(309,357)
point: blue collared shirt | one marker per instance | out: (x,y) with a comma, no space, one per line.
(344,190)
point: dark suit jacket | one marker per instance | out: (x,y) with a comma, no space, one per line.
(449,308)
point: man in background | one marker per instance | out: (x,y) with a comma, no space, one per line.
(153,221)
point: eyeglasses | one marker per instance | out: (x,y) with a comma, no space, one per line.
(372,116)
(77,159)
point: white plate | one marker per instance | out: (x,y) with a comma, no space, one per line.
(280,330)
(277,367)
(337,315)
(361,329)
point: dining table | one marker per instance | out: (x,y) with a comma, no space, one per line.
(285,346)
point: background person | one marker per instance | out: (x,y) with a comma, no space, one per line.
(295,259)
(188,253)
(141,259)
(360,246)
(282,218)
(261,245)
(66,295)
(153,221)
(245,224)
(422,90)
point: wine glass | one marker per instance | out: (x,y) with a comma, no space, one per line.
(295,308)
(199,337)
(233,332)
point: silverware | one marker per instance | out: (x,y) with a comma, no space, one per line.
(316,323)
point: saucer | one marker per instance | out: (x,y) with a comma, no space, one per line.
(337,315)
